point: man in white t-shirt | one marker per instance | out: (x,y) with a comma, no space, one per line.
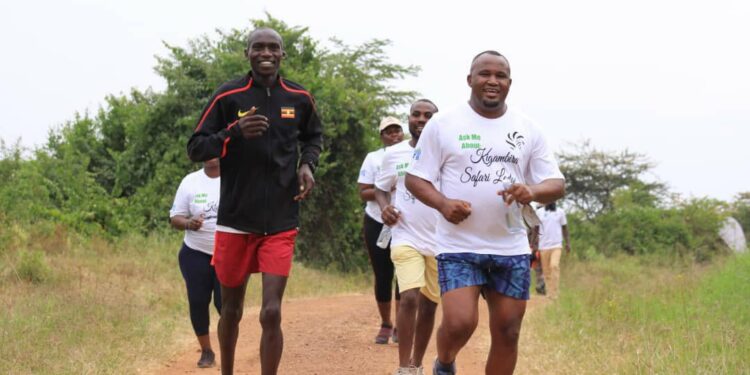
(194,211)
(391,132)
(412,245)
(479,150)
(553,228)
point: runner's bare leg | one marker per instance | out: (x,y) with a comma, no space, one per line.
(506,315)
(460,318)
(272,339)
(232,302)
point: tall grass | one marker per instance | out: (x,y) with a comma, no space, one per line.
(77,305)
(630,316)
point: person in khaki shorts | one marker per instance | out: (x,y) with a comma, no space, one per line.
(412,246)
(551,233)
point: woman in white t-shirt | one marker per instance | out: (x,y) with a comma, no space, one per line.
(391,132)
(194,211)
(554,229)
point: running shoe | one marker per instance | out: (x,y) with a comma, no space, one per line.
(411,370)
(438,369)
(208,359)
(384,334)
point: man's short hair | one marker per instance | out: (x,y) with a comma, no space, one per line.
(252,34)
(493,53)
(488,52)
(423,100)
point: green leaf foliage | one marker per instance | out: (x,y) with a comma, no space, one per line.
(593,176)
(613,209)
(117,171)
(687,229)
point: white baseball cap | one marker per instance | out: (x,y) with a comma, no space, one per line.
(388,121)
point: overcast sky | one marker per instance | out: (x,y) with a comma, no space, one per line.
(664,78)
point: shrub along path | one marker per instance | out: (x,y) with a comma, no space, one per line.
(333,335)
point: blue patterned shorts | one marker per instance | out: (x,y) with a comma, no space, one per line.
(507,275)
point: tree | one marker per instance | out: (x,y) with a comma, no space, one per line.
(120,169)
(594,176)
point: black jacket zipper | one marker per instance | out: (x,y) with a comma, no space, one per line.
(268,161)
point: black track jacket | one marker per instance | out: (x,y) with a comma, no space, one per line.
(259,175)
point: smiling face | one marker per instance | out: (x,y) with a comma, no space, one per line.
(391,135)
(420,113)
(265,52)
(490,82)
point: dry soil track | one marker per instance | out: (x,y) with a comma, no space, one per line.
(330,335)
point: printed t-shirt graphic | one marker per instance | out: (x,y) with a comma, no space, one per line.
(198,194)
(416,227)
(475,157)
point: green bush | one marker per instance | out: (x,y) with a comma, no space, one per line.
(704,218)
(688,229)
(117,171)
(32,266)
(641,230)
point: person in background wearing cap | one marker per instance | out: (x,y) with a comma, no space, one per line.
(491,161)
(391,132)
(412,245)
(266,131)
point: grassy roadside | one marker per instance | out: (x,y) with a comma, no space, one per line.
(630,316)
(75,305)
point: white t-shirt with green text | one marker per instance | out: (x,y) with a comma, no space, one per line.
(367,175)
(474,157)
(198,194)
(416,226)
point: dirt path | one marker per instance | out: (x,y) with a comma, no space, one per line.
(331,335)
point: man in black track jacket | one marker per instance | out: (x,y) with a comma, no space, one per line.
(267,132)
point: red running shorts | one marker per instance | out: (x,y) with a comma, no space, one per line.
(236,256)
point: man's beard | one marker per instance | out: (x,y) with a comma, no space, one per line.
(415,134)
(491,104)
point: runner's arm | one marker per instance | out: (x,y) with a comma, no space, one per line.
(385,183)
(566,236)
(311,137)
(366,192)
(212,133)
(548,191)
(545,192)
(453,210)
(388,213)
(424,191)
